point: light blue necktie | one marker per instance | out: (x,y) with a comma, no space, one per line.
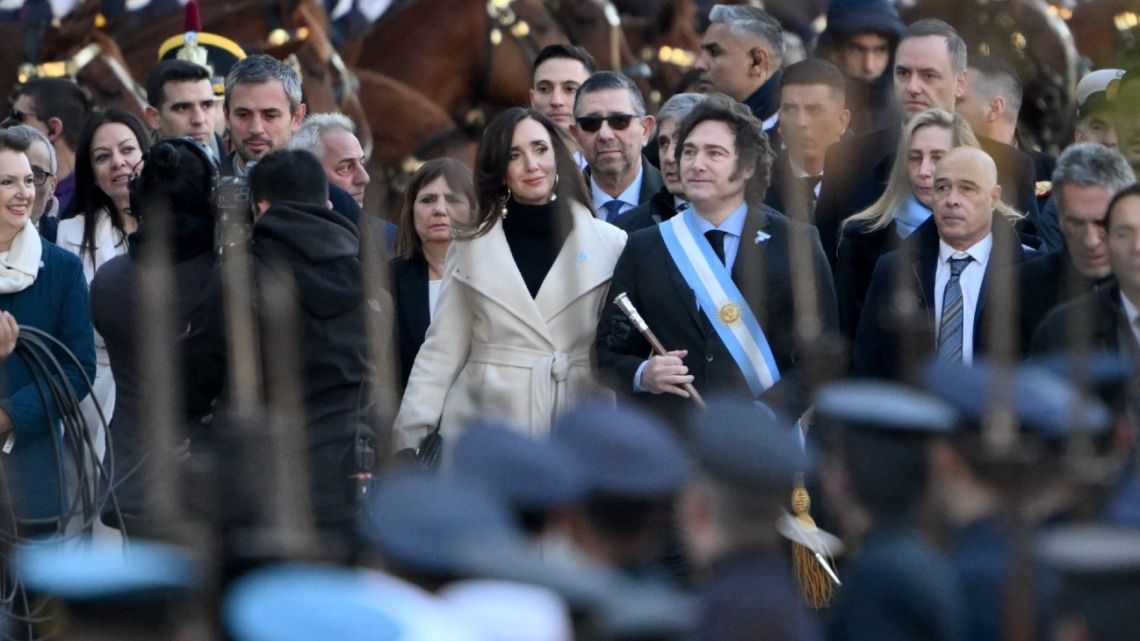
(950,329)
(613,210)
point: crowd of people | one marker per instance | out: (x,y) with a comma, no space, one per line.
(822,349)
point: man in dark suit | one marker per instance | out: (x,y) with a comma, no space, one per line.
(930,71)
(812,118)
(611,127)
(722,147)
(664,204)
(263,110)
(1088,175)
(991,106)
(946,272)
(1106,319)
(741,54)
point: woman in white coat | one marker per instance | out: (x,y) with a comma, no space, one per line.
(521,293)
(109,156)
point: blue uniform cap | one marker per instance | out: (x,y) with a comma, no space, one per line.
(305,603)
(622,451)
(106,570)
(1100,569)
(420,521)
(530,474)
(1044,405)
(741,442)
(884,405)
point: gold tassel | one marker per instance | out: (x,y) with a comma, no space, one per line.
(813,567)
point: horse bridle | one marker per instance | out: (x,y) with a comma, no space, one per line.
(71,68)
(500,17)
(613,23)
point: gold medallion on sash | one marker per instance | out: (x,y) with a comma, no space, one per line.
(729,313)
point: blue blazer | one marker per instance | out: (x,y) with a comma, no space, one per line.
(57,304)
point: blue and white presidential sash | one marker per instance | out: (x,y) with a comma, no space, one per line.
(720,300)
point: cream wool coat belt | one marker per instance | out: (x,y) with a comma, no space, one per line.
(493,351)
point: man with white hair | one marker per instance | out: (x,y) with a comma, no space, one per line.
(331,137)
(1086,178)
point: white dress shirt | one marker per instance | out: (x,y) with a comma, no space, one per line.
(630,198)
(970,280)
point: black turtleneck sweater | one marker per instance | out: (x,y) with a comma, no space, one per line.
(535,234)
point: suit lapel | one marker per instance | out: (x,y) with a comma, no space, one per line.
(1006,236)
(415,274)
(651,181)
(488,267)
(750,269)
(926,239)
(579,268)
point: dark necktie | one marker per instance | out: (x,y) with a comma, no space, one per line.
(810,183)
(716,239)
(950,329)
(613,209)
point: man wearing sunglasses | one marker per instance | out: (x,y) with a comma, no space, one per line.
(57,108)
(611,127)
(714,282)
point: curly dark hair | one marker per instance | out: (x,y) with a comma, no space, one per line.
(752,148)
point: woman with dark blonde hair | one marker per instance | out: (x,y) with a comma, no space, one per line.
(440,198)
(522,290)
(906,204)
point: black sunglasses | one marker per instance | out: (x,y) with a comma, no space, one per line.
(617,122)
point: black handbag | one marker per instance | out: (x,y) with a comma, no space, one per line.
(430,449)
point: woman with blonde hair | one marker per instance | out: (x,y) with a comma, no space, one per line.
(906,204)
(522,289)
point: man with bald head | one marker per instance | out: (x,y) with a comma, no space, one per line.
(944,271)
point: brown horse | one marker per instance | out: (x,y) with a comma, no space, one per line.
(302,30)
(666,41)
(459,53)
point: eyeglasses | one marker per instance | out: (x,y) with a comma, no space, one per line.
(40,176)
(617,122)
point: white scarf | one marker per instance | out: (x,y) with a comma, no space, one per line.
(20,264)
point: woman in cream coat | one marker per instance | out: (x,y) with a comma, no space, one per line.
(521,293)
